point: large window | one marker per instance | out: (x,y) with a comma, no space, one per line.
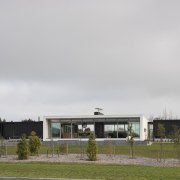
(109,130)
(104,128)
(136,128)
(115,130)
(84,129)
(67,132)
(55,130)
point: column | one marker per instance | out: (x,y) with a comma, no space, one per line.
(60,128)
(117,128)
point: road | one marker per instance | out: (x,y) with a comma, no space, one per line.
(25,178)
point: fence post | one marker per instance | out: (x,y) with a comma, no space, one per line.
(67,150)
(47,153)
(58,153)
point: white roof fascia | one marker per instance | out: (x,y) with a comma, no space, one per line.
(92,116)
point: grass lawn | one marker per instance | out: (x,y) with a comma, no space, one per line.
(88,171)
(139,150)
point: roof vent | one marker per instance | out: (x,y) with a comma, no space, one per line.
(98,113)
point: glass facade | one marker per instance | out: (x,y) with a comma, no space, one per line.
(109,130)
(55,130)
(136,128)
(103,128)
(115,130)
(84,129)
(68,131)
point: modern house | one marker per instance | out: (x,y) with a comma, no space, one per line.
(78,127)
(104,126)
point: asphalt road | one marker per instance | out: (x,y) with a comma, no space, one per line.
(18,178)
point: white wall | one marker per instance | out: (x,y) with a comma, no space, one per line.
(143,126)
(45,129)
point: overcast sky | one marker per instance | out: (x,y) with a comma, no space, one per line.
(67,57)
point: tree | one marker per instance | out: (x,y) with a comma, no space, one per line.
(176,140)
(34,143)
(2,120)
(22,148)
(161,134)
(28,120)
(92,147)
(130,139)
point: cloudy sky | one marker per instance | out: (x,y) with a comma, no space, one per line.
(66,57)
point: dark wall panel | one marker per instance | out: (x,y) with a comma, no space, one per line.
(99,129)
(168,124)
(16,129)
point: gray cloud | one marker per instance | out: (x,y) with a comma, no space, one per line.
(123,55)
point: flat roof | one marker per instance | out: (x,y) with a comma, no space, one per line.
(94,116)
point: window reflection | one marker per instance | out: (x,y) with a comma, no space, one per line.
(55,130)
(81,129)
(115,130)
(136,128)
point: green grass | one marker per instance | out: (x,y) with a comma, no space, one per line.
(139,150)
(88,171)
(95,171)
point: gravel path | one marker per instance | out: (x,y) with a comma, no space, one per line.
(102,159)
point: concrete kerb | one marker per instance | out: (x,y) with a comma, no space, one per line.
(27,178)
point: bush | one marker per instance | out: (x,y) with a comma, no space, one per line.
(92,147)
(34,143)
(22,148)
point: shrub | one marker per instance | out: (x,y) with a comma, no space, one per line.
(2,146)
(22,148)
(92,147)
(34,143)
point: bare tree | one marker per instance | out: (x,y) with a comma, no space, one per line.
(151,118)
(130,139)
(176,139)
(161,134)
(164,114)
